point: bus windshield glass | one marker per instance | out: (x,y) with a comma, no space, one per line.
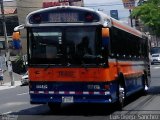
(63,45)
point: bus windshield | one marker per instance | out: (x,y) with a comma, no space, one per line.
(63,45)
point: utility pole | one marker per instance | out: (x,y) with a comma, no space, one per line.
(130,11)
(9,64)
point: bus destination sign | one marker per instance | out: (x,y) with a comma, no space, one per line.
(63,17)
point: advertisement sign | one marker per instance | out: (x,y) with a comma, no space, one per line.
(51,3)
(129,4)
(114,14)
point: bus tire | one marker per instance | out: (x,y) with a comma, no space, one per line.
(54,106)
(121,92)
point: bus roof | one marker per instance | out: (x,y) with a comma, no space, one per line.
(102,19)
(126,28)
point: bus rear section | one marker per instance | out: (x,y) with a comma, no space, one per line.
(72,85)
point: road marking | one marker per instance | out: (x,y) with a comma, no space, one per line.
(156,67)
(23,93)
(12,104)
(7,113)
(8,116)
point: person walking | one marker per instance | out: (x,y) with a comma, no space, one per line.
(1,76)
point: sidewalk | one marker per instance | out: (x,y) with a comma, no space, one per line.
(7,81)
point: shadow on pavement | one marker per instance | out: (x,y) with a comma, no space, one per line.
(70,110)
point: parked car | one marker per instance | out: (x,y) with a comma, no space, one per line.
(25,79)
(155,58)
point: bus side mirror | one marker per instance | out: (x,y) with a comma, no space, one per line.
(20,27)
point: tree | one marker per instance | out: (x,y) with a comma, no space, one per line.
(149,13)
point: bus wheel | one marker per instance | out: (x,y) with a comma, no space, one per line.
(54,106)
(121,96)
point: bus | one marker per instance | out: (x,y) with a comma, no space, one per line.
(79,55)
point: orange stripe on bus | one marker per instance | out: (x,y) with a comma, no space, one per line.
(71,74)
(130,30)
(84,74)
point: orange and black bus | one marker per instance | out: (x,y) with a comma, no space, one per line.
(79,55)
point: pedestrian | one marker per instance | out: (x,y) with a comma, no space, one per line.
(1,76)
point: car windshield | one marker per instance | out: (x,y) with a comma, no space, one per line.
(73,45)
(155,50)
(155,55)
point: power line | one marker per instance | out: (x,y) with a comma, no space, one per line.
(21,7)
(87,5)
(102,4)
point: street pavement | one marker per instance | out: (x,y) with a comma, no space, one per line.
(16,102)
(7,81)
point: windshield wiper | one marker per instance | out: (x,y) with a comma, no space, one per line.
(89,56)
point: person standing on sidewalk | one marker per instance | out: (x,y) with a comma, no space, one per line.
(1,76)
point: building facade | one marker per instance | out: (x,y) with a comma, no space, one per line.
(11,20)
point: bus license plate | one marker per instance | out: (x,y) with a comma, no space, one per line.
(67,99)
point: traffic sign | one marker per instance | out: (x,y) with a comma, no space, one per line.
(129,4)
(114,14)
